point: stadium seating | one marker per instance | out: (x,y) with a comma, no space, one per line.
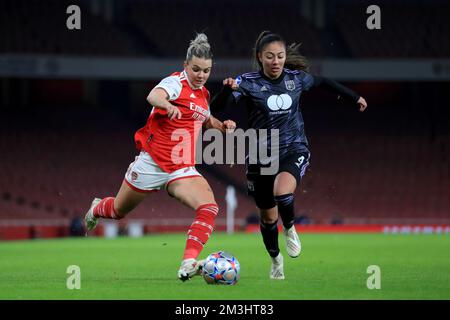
(374,178)
(26,27)
(223,24)
(56,176)
(164,28)
(59,150)
(395,39)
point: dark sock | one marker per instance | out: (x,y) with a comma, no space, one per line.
(269,233)
(285,205)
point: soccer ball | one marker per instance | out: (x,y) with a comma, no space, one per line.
(221,268)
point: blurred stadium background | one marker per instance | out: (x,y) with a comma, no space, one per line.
(71,101)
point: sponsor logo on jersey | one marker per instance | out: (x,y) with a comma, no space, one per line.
(279,102)
(263,88)
(192,96)
(199,112)
(290,85)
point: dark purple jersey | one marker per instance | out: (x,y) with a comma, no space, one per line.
(275,104)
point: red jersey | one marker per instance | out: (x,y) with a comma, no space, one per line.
(171,143)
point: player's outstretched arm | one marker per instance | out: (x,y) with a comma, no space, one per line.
(227,126)
(159,98)
(224,98)
(341,90)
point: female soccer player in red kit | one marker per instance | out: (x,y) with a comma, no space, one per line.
(180,108)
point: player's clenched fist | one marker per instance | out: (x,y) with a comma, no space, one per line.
(229,126)
(231,83)
(362,104)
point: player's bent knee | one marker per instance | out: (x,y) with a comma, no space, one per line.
(269,217)
(268,221)
(285,183)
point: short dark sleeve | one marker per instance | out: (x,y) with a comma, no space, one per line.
(306,79)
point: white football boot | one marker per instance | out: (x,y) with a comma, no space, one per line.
(91,221)
(200,265)
(277,270)
(189,268)
(293,244)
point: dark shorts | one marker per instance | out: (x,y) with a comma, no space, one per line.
(260,187)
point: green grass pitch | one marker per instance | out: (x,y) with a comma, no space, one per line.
(331,266)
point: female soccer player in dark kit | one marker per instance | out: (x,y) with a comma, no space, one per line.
(272,99)
(180,105)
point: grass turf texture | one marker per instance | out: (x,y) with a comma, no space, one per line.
(331,266)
